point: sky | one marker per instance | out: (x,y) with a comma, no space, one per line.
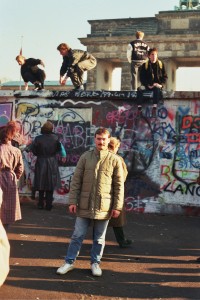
(39,26)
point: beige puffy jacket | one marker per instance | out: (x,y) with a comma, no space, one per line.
(97,186)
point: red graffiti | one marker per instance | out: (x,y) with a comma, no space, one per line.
(189,121)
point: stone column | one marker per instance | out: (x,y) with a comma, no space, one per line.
(171,67)
(126,76)
(91,79)
(104,75)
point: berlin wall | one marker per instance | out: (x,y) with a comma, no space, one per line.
(162,154)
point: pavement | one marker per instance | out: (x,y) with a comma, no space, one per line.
(161,264)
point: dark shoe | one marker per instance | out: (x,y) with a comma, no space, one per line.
(125,244)
(79,88)
(37,87)
(40,206)
(49,207)
(198,260)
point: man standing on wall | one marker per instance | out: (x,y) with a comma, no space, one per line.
(75,63)
(136,54)
(96,195)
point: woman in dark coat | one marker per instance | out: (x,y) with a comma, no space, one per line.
(47,178)
(118,223)
(11,169)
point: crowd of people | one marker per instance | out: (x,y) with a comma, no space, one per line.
(75,63)
(147,71)
(97,189)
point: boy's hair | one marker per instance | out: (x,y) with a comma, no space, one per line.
(19,56)
(47,127)
(114,142)
(152,50)
(63,46)
(139,35)
(102,130)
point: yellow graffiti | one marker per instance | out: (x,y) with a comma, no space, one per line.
(27,109)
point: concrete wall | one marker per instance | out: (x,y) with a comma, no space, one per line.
(162,154)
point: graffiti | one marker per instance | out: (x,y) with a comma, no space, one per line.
(95,94)
(6,111)
(162,154)
(189,122)
(189,189)
(136,205)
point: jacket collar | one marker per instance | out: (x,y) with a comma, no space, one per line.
(101,153)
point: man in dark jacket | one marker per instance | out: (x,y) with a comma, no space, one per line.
(153,76)
(136,54)
(31,72)
(96,195)
(75,63)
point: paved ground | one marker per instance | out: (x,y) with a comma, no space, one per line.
(160,265)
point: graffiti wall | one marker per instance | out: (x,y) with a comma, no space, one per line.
(162,153)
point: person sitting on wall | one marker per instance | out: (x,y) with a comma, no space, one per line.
(75,63)
(31,72)
(153,77)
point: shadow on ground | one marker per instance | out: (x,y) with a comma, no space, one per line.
(161,264)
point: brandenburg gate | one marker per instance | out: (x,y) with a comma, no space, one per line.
(176,34)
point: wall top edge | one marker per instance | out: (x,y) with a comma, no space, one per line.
(101,94)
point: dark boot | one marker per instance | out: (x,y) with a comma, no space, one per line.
(49,200)
(41,200)
(37,86)
(119,235)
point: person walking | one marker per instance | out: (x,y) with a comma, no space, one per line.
(46,177)
(118,223)
(137,51)
(75,63)
(30,72)
(11,169)
(96,194)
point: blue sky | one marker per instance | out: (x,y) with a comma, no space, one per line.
(44,24)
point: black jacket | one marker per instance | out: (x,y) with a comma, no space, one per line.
(140,49)
(153,73)
(30,65)
(46,147)
(72,59)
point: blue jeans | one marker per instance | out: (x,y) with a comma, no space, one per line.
(99,233)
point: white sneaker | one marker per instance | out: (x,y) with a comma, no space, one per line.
(66,267)
(96,270)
